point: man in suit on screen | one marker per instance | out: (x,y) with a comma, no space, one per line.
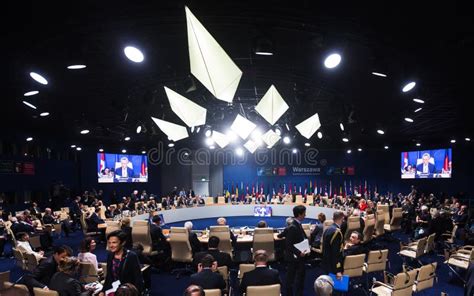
(124,171)
(426,167)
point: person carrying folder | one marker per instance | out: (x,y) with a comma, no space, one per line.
(333,246)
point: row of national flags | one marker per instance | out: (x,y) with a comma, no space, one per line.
(313,187)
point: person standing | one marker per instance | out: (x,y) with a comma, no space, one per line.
(333,246)
(295,258)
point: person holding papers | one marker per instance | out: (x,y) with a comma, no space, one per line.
(295,253)
(333,246)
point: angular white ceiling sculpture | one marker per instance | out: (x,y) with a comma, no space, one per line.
(191,113)
(271,138)
(251,146)
(242,126)
(221,139)
(174,132)
(308,127)
(209,62)
(272,106)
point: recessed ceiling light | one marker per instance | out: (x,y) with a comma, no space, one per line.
(385,147)
(143,152)
(101,150)
(278,131)
(212,147)
(341,126)
(85,132)
(76,67)
(198,129)
(379,74)
(380,132)
(264,53)
(408,119)
(332,61)
(78,148)
(467,139)
(133,54)
(203,179)
(320,135)
(420,101)
(208,133)
(29,139)
(29,105)
(38,78)
(345,140)
(31,93)
(307,144)
(418,144)
(453,141)
(127,138)
(409,86)
(171,145)
(239,151)
(286,140)
(139,129)
(209,141)
(124,151)
(73,146)
(349,151)
(43,114)
(359,149)
(287,126)
(418,110)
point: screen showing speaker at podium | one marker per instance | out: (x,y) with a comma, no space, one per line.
(436,163)
(121,168)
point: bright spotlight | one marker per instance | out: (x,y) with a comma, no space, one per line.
(171,145)
(29,139)
(408,119)
(31,93)
(345,140)
(44,114)
(127,138)
(341,126)
(133,54)
(418,110)
(332,61)
(307,144)
(278,131)
(349,151)
(76,67)
(467,139)
(209,141)
(359,149)
(101,150)
(29,105)
(453,141)
(419,101)
(286,140)
(380,132)
(418,144)
(212,147)
(85,132)
(124,151)
(73,146)
(295,150)
(139,129)
(320,135)
(143,152)
(379,74)
(409,86)
(239,151)
(385,147)
(208,133)
(78,148)
(38,78)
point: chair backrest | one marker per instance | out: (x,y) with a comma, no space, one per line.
(263,240)
(453,234)
(223,233)
(377,260)
(221,200)
(20,259)
(88,273)
(353,223)
(43,292)
(140,223)
(430,243)
(396,221)
(4,277)
(420,246)
(386,213)
(212,292)
(31,261)
(268,290)
(18,289)
(369,228)
(309,199)
(181,250)
(141,234)
(426,276)
(379,223)
(12,235)
(243,268)
(327,223)
(224,271)
(209,200)
(307,229)
(354,265)
(403,283)
(299,199)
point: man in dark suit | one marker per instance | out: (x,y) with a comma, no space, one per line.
(94,220)
(158,239)
(193,240)
(41,276)
(207,277)
(354,246)
(261,275)
(295,258)
(425,167)
(333,246)
(124,171)
(223,259)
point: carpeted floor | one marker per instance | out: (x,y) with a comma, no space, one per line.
(165,284)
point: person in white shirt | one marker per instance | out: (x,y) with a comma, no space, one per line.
(85,255)
(23,245)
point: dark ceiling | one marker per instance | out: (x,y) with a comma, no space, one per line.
(430,45)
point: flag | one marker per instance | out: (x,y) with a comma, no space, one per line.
(227,194)
(365,186)
(247,189)
(446,161)
(237,191)
(350,187)
(101,163)
(253,189)
(291,189)
(143,168)
(232,191)
(300,190)
(261,188)
(345,189)
(330,188)
(405,161)
(284,188)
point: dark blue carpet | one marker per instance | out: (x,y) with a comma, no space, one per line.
(164,284)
